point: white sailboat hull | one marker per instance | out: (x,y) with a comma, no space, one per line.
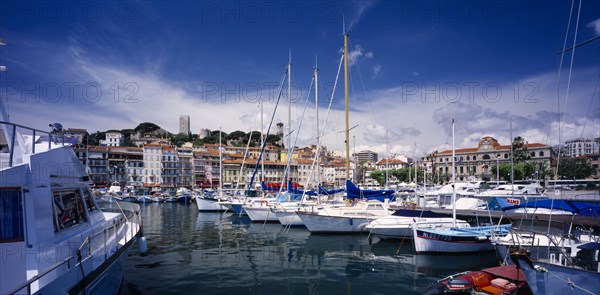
(401,227)
(260,214)
(449,241)
(205,204)
(289,218)
(316,223)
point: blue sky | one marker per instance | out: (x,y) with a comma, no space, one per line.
(414,65)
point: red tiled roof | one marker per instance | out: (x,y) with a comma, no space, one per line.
(390,161)
(498,148)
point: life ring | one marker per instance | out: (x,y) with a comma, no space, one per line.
(264,203)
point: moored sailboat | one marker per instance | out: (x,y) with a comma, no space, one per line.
(455,240)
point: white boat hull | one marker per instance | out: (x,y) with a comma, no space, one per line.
(442,241)
(260,214)
(209,204)
(401,227)
(316,223)
(104,279)
(289,218)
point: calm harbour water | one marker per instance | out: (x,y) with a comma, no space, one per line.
(191,252)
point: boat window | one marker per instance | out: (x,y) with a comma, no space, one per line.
(68,209)
(89,200)
(11,215)
(375,207)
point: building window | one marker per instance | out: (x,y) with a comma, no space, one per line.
(541,153)
(486,157)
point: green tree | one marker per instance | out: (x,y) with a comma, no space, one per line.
(434,165)
(504,171)
(180,139)
(578,168)
(378,176)
(401,174)
(146,127)
(237,135)
(520,153)
(94,138)
(271,139)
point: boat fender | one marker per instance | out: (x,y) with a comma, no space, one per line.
(142,245)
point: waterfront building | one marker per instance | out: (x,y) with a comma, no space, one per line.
(113,138)
(364,156)
(134,163)
(116,165)
(169,167)
(74,135)
(152,165)
(204,132)
(185,156)
(581,146)
(334,172)
(206,167)
(307,174)
(184,124)
(476,163)
(390,164)
(98,165)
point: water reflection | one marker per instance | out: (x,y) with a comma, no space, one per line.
(223,253)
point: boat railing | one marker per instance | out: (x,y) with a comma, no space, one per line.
(34,131)
(556,242)
(39,276)
(109,244)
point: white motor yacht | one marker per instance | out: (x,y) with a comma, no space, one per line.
(48,212)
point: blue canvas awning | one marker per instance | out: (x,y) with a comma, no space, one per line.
(353,192)
(579,208)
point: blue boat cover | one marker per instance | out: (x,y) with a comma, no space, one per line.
(590,246)
(579,208)
(323,191)
(352,192)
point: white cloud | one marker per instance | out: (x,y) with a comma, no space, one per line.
(410,113)
(376,70)
(358,53)
(359,9)
(595,25)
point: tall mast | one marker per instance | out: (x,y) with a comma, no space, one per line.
(290,110)
(453,179)
(262,140)
(318,177)
(220,165)
(346,99)
(512,164)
